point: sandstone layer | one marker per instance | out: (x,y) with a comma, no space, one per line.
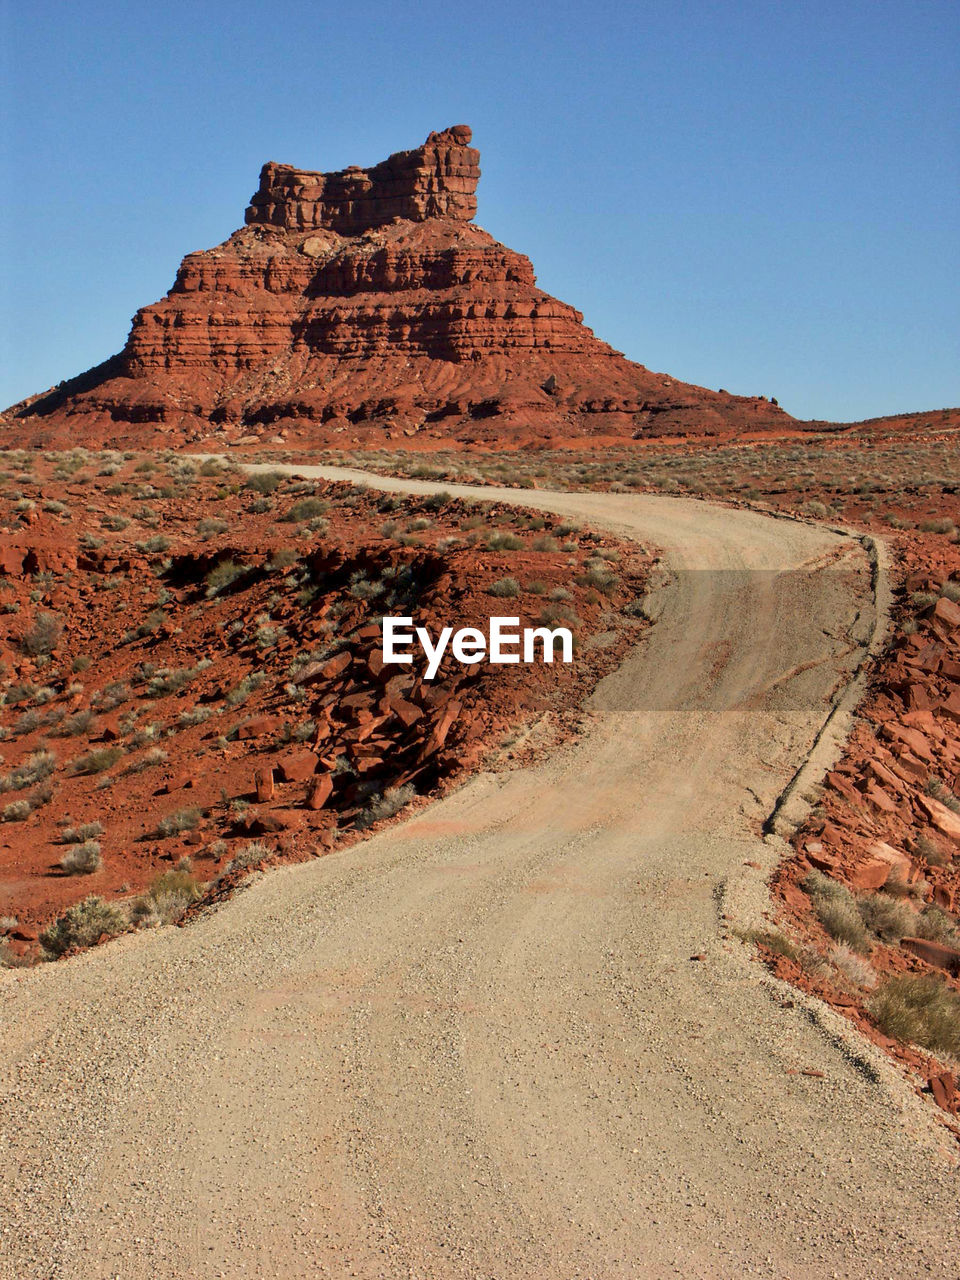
(365,305)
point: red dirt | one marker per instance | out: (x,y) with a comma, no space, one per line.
(884,824)
(302,617)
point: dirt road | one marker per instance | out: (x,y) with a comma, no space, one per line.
(477,1045)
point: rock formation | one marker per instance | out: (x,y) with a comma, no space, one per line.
(365,305)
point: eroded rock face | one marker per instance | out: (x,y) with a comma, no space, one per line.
(437,180)
(366,302)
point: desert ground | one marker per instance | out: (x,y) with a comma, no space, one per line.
(521,1033)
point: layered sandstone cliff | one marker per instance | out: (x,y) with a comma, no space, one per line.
(365,305)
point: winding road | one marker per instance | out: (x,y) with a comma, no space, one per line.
(477,1046)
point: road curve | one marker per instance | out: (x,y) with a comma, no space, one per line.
(477,1046)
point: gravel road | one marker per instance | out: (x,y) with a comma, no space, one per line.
(477,1045)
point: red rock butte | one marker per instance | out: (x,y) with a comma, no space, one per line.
(365,306)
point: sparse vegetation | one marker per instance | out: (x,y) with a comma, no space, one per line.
(82,925)
(224,575)
(86,831)
(265,482)
(920,1010)
(43,637)
(385,805)
(249,855)
(82,859)
(168,898)
(176,823)
(836,909)
(307,509)
(98,760)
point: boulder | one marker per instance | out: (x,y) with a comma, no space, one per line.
(943,819)
(319,790)
(296,766)
(936,954)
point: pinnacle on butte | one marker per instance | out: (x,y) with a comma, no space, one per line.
(366,302)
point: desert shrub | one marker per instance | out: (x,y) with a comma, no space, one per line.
(362,588)
(282,559)
(920,1010)
(600,579)
(73,725)
(385,805)
(773,940)
(937,788)
(86,831)
(171,680)
(43,637)
(265,482)
(852,966)
(83,925)
(149,760)
(209,526)
(168,897)
(148,627)
(546,543)
(175,823)
(17,693)
(97,760)
(27,722)
(249,855)
(503,542)
(17,811)
(82,859)
(931,853)
(836,909)
(504,587)
(558,615)
(197,715)
(942,525)
(307,509)
(141,737)
(816,509)
(38,766)
(112,695)
(155,545)
(937,926)
(437,501)
(240,692)
(115,523)
(265,637)
(223,575)
(887,917)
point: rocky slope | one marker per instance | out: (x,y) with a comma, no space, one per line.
(178,684)
(365,305)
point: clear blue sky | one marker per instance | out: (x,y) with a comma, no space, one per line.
(760,196)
